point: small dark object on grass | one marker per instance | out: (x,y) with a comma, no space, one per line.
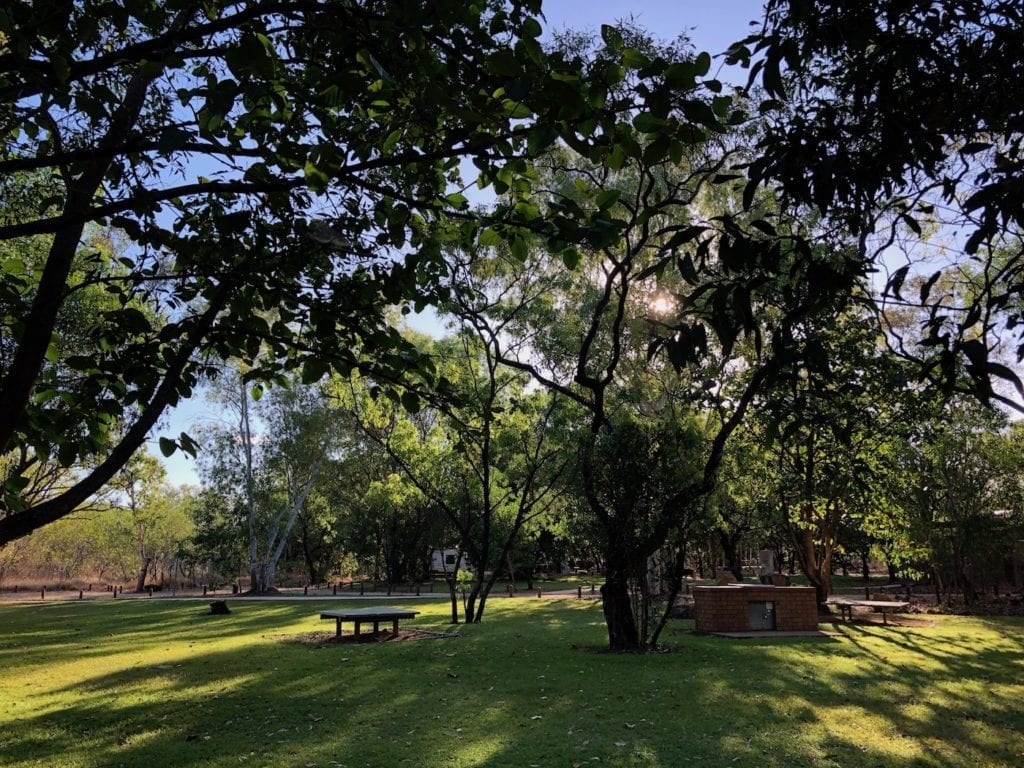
(219,607)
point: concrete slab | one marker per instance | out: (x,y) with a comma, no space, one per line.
(776,633)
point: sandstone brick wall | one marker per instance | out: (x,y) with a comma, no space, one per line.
(725,609)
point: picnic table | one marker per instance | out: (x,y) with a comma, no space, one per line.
(885,607)
(360,616)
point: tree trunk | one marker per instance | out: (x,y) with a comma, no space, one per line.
(307,554)
(730,549)
(675,587)
(623,634)
(618,615)
(140,581)
(453,593)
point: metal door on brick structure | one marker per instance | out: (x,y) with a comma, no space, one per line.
(761,615)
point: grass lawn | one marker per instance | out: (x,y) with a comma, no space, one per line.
(163,683)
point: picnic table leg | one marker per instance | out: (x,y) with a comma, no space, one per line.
(337,627)
(885,615)
(376,627)
(394,628)
(357,627)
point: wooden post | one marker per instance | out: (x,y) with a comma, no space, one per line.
(204,590)
(579,592)
(79,594)
(42,594)
(305,591)
(335,590)
(538,591)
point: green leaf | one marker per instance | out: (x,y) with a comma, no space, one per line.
(457,200)
(896,281)
(645,122)
(527,210)
(607,198)
(315,178)
(682,74)
(516,109)
(518,248)
(617,157)
(611,36)
(702,63)
(571,258)
(489,238)
(313,370)
(532,28)
(411,402)
(13,266)
(634,59)
(52,354)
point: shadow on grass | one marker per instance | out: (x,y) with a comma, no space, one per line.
(167,684)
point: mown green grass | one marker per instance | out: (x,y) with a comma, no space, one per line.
(164,683)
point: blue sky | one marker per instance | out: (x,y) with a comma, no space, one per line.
(711,26)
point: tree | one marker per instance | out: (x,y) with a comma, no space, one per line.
(276,168)
(958,508)
(481,455)
(894,120)
(671,279)
(138,485)
(830,429)
(268,464)
(214,546)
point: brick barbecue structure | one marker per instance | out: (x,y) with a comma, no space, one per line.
(755,607)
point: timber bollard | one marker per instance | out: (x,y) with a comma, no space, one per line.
(115,591)
(335,590)
(591,587)
(204,590)
(360,588)
(305,591)
(42,594)
(538,592)
(79,594)
(579,593)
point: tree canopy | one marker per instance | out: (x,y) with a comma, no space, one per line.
(896,121)
(280,170)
